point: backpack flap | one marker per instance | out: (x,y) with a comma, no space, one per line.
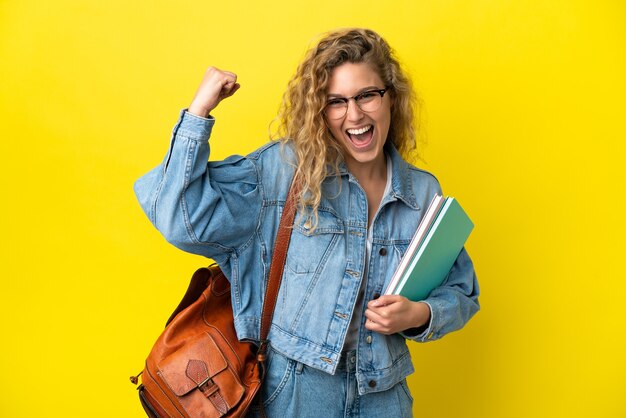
(201,373)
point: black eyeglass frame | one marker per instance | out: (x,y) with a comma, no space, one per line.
(356,97)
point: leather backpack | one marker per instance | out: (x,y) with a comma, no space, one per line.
(198,367)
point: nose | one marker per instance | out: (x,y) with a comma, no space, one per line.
(354,112)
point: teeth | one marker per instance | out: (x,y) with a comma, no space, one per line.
(359,131)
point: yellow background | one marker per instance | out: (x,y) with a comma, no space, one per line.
(525,121)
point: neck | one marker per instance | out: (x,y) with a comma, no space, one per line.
(366,173)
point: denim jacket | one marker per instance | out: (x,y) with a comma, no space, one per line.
(229,211)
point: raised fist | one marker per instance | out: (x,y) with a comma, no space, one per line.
(216,86)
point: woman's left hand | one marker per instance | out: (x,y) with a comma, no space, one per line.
(394,313)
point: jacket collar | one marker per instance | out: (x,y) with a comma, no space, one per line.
(401,183)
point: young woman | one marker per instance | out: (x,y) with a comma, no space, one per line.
(337,346)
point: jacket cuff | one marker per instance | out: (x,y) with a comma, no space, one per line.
(194,127)
(423,333)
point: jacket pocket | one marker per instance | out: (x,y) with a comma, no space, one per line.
(313,257)
(309,246)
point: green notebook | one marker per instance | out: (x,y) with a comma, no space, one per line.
(430,262)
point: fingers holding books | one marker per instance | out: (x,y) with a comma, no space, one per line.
(390,314)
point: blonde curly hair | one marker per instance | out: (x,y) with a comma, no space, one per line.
(301,120)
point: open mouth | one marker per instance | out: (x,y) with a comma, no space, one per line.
(361,137)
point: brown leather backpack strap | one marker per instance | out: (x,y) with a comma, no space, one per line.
(277,265)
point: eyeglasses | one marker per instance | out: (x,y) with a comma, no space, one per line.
(368,101)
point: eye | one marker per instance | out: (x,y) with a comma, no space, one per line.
(336,103)
(367,96)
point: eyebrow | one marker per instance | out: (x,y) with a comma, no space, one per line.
(334,95)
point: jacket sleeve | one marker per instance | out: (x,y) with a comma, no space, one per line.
(211,209)
(453,303)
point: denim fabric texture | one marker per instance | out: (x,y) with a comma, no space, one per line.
(293,389)
(229,211)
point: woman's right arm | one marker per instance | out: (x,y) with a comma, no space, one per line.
(209,209)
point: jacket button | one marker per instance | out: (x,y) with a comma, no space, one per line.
(376,295)
(371,383)
(382,251)
(368,339)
